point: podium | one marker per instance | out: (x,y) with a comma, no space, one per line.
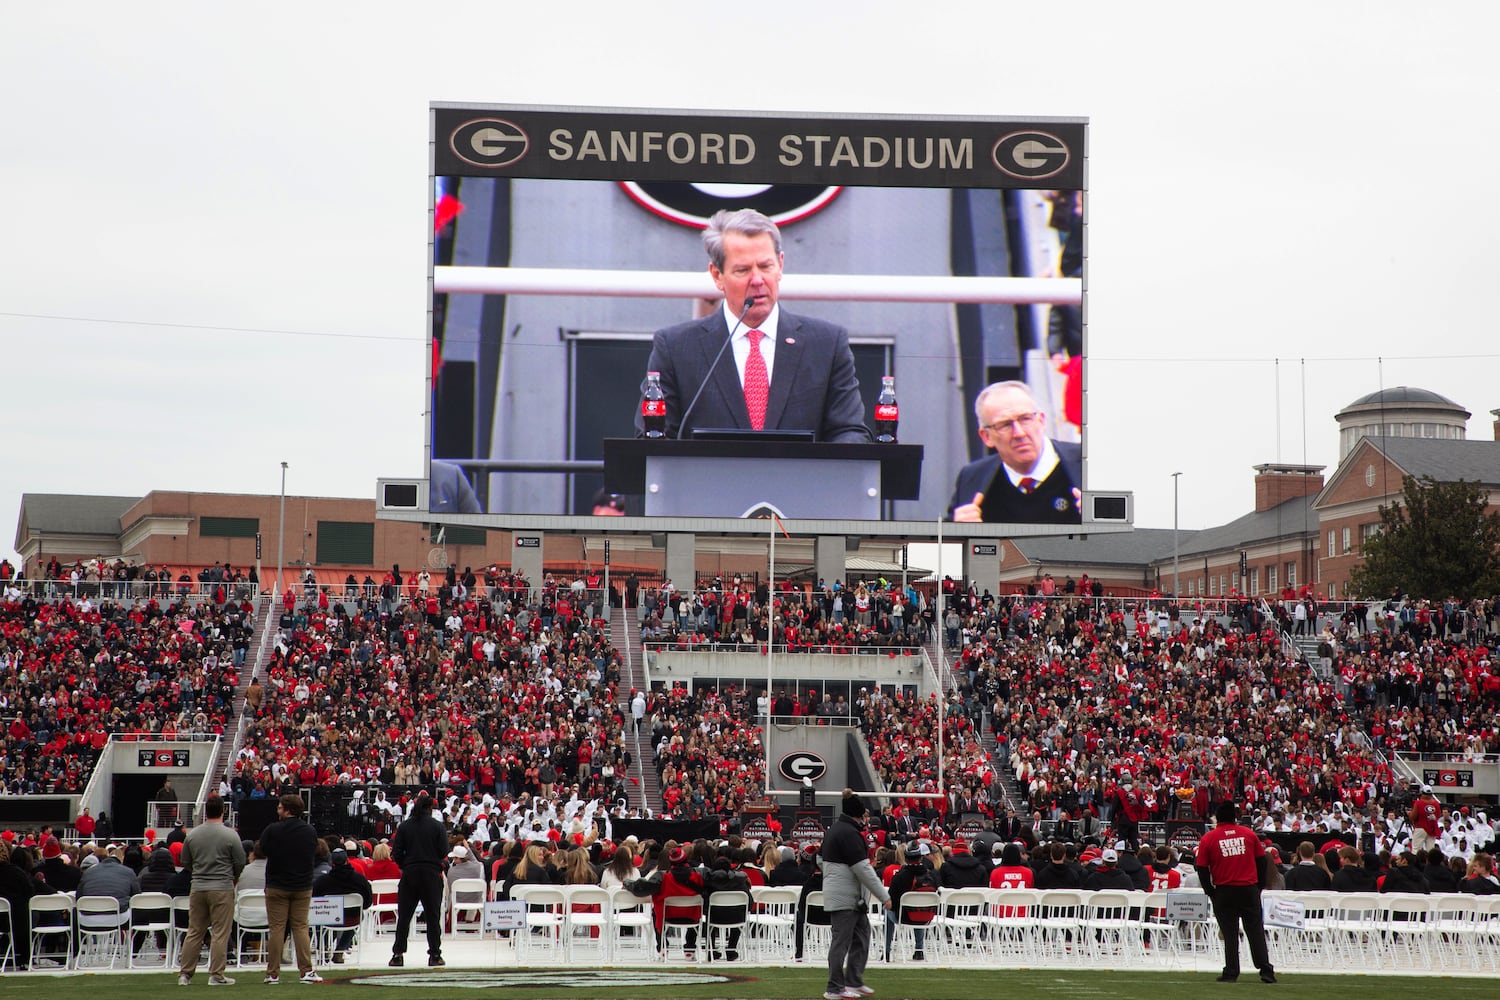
(746,477)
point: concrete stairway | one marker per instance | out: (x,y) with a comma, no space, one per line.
(645,786)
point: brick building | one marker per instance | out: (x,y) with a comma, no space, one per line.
(1301,528)
(338,536)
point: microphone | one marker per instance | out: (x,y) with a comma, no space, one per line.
(682,424)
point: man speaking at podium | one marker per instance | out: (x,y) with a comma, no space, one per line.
(1030,479)
(782,372)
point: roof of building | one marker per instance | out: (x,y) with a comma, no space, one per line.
(69,513)
(1290,517)
(1444,461)
(1404,395)
(1126,548)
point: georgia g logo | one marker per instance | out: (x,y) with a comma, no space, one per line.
(1031,156)
(489,142)
(802,764)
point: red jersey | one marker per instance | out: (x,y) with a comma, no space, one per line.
(1167,880)
(1424,815)
(1232,854)
(1018,877)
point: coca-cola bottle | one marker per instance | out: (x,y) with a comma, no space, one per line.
(887,413)
(654,407)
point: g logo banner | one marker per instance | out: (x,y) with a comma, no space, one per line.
(1031,156)
(489,142)
(802,764)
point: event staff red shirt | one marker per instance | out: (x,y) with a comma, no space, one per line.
(1232,854)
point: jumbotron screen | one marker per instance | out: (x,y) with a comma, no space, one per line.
(712,316)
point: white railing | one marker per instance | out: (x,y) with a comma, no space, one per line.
(127,592)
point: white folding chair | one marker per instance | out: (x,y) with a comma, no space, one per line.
(773,921)
(51,929)
(1455,931)
(632,926)
(1010,918)
(1105,927)
(817,928)
(586,928)
(1487,931)
(919,927)
(1311,946)
(962,920)
(1059,918)
(102,931)
(546,913)
(150,915)
(682,918)
(725,924)
(1410,930)
(380,918)
(466,898)
(251,921)
(182,915)
(327,937)
(1355,927)
(8,930)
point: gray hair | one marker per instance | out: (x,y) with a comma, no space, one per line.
(995,387)
(746,222)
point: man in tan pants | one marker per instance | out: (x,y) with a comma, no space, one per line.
(215,856)
(290,846)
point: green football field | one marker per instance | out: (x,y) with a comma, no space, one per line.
(806,981)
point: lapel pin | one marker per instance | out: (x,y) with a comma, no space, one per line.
(791,340)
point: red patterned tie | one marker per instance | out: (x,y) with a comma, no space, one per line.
(757,382)
(1027,485)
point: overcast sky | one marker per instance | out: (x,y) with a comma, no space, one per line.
(213,217)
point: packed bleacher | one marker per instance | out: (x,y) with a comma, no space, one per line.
(439,685)
(1127,711)
(74,670)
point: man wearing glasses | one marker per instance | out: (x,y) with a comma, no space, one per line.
(1031,479)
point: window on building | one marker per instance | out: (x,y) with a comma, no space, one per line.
(1223,584)
(1253,577)
(1331,550)
(228,527)
(1367,532)
(1271,579)
(458,534)
(1211,591)
(1346,541)
(1291,573)
(346,543)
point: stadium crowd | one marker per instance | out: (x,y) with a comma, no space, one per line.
(437,685)
(1131,713)
(75,669)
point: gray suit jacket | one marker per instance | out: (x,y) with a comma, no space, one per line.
(448,491)
(813,387)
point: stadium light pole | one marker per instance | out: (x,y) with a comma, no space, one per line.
(280,535)
(1176,589)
